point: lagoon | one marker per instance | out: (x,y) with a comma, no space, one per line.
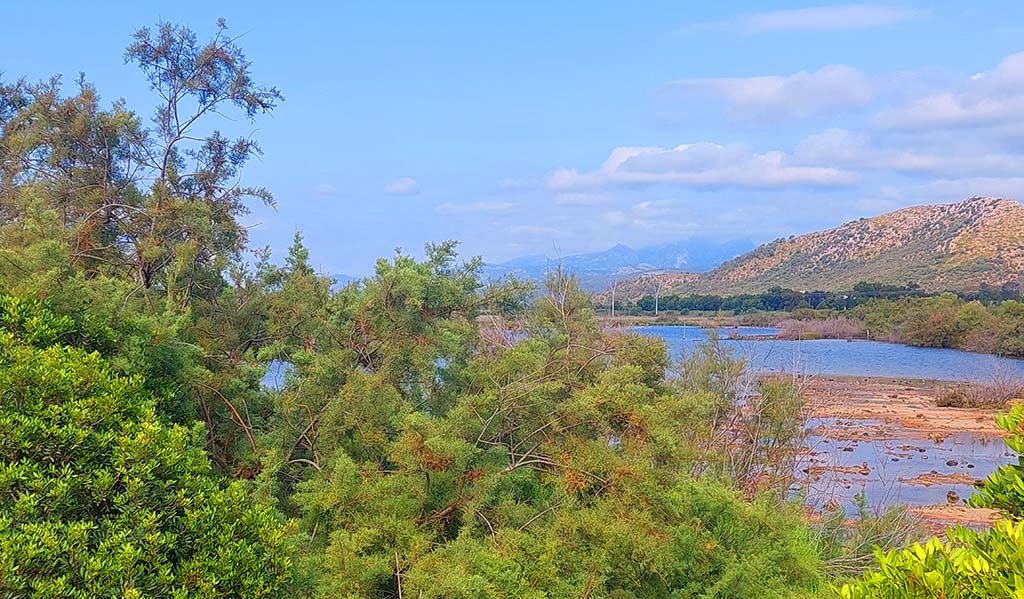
(840,357)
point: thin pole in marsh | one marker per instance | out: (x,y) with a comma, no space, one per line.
(615,282)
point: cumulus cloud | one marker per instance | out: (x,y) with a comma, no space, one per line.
(475,207)
(652,209)
(989,99)
(798,96)
(847,149)
(816,18)
(403,186)
(701,164)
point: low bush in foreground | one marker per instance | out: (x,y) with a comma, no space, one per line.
(98,498)
(968,564)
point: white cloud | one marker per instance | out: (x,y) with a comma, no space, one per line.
(846,149)
(652,209)
(652,217)
(798,96)
(701,164)
(816,18)
(403,186)
(326,191)
(991,99)
(836,146)
(581,199)
(474,207)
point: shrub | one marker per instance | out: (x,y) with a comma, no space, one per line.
(1004,489)
(995,394)
(98,498)
(968,565)
(848,545)
(832,328)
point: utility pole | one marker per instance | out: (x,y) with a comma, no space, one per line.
(657,292)
(614,283)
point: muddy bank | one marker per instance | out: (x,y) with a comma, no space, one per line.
(887,439)
(894,408)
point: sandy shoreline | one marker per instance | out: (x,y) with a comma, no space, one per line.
(896,406)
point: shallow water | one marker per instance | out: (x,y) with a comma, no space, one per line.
(841,357)
(884,469)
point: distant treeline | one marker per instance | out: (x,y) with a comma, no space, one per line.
(779,299)
(947,321)
(936,321)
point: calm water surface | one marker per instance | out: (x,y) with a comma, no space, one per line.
(841,357)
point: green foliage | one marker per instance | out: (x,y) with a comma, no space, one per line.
(98,498)
(1004,489)
(435,437)
(968,565)
(947,321)
(132,229)
(157,206)
(779,299)
(555,466)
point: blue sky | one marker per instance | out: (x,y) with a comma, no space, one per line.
(534,127)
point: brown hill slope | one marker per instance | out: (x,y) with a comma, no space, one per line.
(945,246)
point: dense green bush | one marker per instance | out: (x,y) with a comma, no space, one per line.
(967,565)
(947,321)
(99,499)
(1004,489)
(423,462)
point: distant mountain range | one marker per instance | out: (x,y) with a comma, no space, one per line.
(947,246)
(596,270)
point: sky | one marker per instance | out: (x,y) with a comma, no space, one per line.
(540,127)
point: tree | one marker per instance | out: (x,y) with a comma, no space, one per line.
(136,226)
(190,218)
(157,205)
(98,498)
(422,463)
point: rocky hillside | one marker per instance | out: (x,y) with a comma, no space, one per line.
(946,246)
